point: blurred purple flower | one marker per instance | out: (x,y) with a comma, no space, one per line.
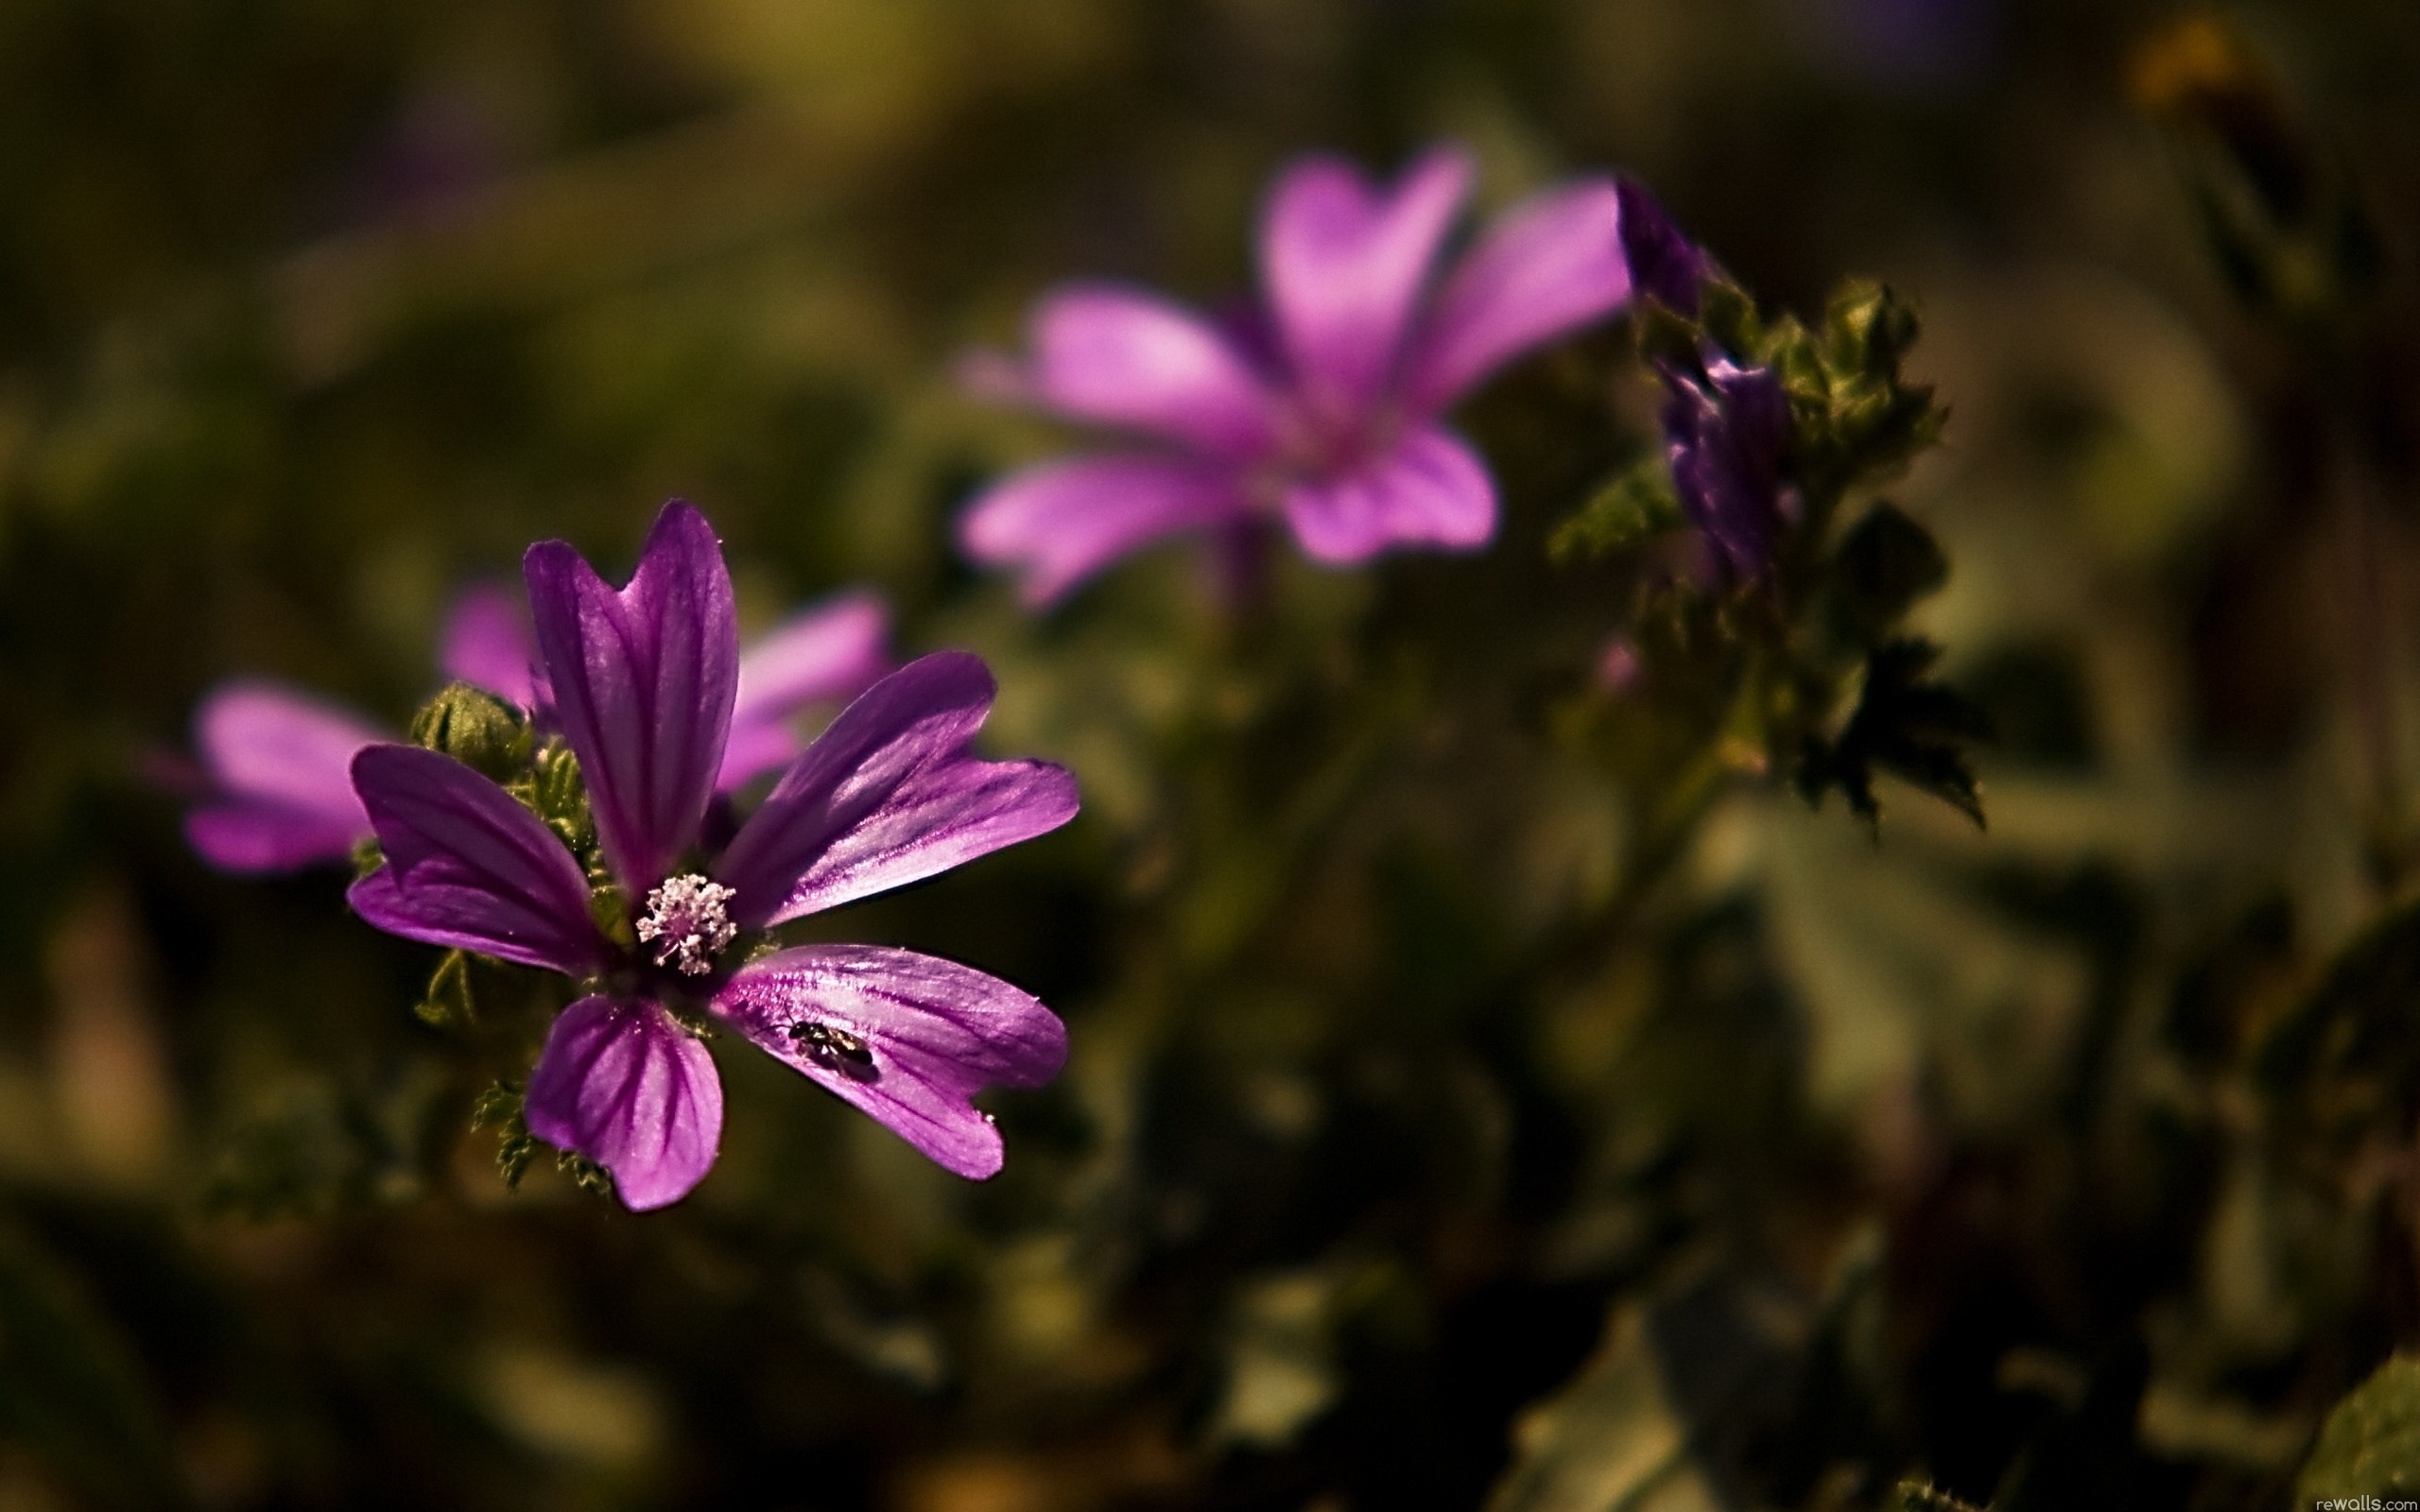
(275,788)
(1725,435)
(646,682)
(1325,408)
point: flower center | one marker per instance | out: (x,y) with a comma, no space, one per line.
(687,921)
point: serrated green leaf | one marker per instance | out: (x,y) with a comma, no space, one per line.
(1634,507)
(1917,729)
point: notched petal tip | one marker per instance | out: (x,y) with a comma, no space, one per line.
(623,1084)
(644,679)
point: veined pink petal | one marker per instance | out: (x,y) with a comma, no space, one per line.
(1548,267)
(643,682)
(1344,265)
(831,650)
(907,1039)
(622,1084)
(467,866)
(1126,358)
(1430,490)
(277,763)
(889,793)
(1063,521)
(486,644)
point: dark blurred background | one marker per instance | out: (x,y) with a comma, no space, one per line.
(1395,1101)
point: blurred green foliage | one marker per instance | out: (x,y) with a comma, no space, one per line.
(1491,1088)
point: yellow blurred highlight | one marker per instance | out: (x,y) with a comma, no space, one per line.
(109,1076)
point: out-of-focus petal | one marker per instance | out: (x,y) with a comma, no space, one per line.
(468,868)
(486,644)
(1123,357)
(643,682)
(277,780)
(927,1034)
(268,742)
(1548,267)
(831,650)
(889,795)
(622,1084)
(1430,490)
(251,836)
(1063,521)
(1344,264)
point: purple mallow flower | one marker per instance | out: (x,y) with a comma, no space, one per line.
(646,682)
(275,782)
(1725,432)
(1326,413)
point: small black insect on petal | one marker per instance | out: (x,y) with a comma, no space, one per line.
(833,1049)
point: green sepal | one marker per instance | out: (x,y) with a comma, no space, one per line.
(1728,314)
(449,1004)
(367,856)
(554,791)
(476,728)
(585,1173)
(1868,331)
(504,1103)
(610,912)
(1666,337)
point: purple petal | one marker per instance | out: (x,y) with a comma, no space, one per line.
(1344,264)
(1724,439)
(1430,490)
(256,838)
(831,650)
(643,682)
(278,770)
(932,1034)
(1664,264)
(467,868)
(624,1085)
(1126,358)
(1546,267)
(486,644)
(1063,522)
(890,794)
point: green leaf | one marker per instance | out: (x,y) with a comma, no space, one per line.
(1885,565)
(1634,507)
(2370,1445)
(1905,724)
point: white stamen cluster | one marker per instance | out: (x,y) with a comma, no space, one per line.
(687,919)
